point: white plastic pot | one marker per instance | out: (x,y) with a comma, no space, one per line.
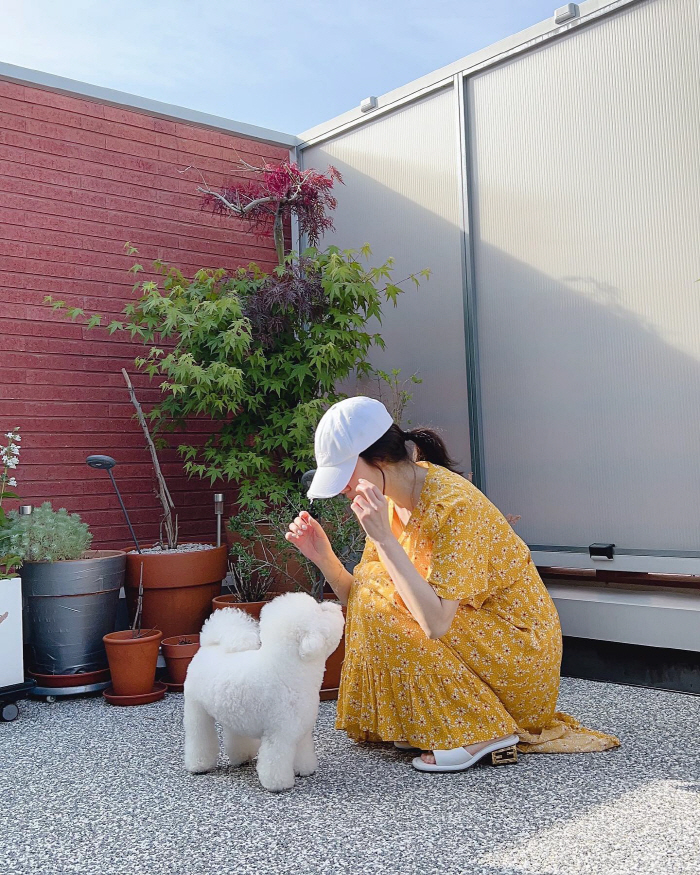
(11,659)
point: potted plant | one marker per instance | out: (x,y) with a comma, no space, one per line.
(178,652)
(177,581)
(133,656)
(70,594)
(11,657)
(261,354)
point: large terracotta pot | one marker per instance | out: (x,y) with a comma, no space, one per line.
(334,664)
(132,661)
(178,652)
(177,588)
(230,601)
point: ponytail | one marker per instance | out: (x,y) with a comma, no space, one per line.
(391,447)
(431,447)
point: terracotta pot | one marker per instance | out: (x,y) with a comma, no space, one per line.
(132,661)
(179,655)
(177,588)
(230,601)
(334,663)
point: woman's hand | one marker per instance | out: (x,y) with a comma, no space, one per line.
(371,509)
(308,537)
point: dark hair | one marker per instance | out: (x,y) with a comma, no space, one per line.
(391,447)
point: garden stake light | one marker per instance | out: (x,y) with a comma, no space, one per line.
(218,510)
(106,463)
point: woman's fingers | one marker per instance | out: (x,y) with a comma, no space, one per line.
(299,525)
(371,494)
(360,505)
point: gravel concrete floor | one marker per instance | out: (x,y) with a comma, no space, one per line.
(89,788)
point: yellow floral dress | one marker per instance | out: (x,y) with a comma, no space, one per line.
(495,672)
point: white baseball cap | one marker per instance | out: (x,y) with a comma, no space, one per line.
(346,429)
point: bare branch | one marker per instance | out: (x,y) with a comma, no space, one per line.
(163,491)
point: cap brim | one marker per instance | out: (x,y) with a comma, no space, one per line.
(331,480)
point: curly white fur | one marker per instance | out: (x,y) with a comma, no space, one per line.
(261,682)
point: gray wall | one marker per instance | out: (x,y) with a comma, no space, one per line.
(401,197)
(586,218)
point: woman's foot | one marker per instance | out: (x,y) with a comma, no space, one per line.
(470,748)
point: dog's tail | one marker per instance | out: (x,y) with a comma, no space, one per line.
(231,629)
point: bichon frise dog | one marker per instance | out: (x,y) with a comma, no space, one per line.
(261,682)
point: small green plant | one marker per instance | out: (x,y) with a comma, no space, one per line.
(262,558)
(9,460)
(46,535)
(394,393)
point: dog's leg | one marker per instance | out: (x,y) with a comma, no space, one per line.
(276,762)
(201,742)
(305,761)
(239,748)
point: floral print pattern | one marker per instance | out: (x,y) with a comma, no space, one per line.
(495,672)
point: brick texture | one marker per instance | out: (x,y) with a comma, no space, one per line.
(77,180)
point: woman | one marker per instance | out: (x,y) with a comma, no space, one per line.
(453,645)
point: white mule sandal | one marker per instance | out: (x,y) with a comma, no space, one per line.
(458,759)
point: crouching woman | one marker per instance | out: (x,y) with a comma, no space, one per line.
(453,644)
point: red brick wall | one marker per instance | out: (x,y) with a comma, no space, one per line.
(77,180)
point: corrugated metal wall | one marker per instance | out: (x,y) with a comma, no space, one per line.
(401,196)
(78,179)
(586,215)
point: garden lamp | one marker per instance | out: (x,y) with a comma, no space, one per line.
(218,510)
(106,463)
(307,478)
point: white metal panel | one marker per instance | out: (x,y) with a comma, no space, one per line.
(401,195)
(511,45)
(655,619)
(586,212)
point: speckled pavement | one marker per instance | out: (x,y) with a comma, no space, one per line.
(92,789)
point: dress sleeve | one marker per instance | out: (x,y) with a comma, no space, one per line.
(459,568)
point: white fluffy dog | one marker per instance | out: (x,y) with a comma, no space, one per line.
(261,682)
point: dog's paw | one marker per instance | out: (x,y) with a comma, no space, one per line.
(199,767)
(277,785)
(304,769)
(305,772)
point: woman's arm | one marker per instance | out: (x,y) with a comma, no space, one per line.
(338,577)
(433,614)
(309,538)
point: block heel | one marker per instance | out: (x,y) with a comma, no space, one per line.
(504,756)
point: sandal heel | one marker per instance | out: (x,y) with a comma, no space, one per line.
(504,756)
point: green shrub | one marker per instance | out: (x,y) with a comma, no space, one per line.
(46,535)
(259,354)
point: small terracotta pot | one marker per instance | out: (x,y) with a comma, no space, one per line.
(177,588)
(334,664)
(132,661)
(230,601)
(178,656)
